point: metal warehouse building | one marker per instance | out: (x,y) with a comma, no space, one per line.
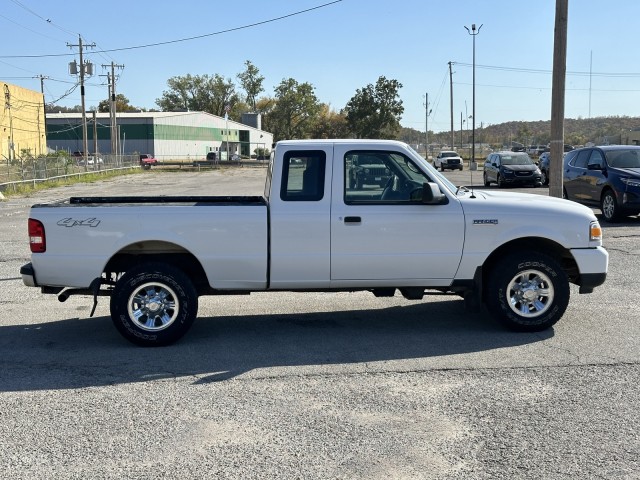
(165,135)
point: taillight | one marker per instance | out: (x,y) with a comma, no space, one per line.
(37,238)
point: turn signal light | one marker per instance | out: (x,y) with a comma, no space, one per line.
(595,232)
(37,238)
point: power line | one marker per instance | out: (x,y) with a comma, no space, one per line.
(548,72)
(220,32)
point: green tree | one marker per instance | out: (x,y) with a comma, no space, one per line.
(295,110)
(203,93)
(375,111)
(122,105)
(251,82)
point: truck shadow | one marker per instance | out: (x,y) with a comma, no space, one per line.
(78,353)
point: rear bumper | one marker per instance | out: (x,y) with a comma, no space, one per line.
(28,275)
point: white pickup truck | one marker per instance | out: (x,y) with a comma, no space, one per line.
(314,230)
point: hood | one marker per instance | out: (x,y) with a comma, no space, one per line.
(521,168)
(632,172)
(498,203)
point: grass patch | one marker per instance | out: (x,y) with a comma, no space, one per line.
(26,189)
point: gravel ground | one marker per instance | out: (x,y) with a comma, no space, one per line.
(299,386)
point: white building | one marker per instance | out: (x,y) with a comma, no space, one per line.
(165,135)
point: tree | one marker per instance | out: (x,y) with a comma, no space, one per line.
(295,110)
(375,111)
(329,124)
(251,82)
(204,93)
(122,105)
(50,108)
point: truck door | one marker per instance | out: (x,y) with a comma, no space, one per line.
(379,236)
(299,220)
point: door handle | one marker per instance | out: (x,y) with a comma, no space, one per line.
(352,220)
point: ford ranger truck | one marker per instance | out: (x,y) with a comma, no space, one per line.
(313,230)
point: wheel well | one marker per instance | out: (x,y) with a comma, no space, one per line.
(605,190)
(162,252)
(544,245)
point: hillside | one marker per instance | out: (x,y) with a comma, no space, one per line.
(599,130)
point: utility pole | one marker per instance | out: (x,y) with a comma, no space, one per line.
(451,97)
(88,68)
(426,125)
(95,141)
(113,106)
(557,97)
(44,111)
(7,105)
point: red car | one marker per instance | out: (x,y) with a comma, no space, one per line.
(147,160)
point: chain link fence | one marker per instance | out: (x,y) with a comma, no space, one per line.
(33,170)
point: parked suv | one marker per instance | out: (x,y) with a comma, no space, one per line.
(511,168)
(608,177)
(448,159)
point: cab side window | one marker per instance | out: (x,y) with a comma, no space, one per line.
(303,176)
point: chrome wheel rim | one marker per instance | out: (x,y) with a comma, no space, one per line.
(153,307)
(530,293)
(608,206)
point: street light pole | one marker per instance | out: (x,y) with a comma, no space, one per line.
(473,32)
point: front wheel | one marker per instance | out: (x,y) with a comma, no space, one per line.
(609,207)
(544,178)
(527,292)
(485,179)
(500,182)
(153,304)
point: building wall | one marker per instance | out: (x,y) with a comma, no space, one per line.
(21,118)
(166,135)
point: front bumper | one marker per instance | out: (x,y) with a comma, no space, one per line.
(593,264)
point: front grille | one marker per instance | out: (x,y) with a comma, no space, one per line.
(455,161)
(524,174)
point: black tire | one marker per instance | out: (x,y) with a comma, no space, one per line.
(527,292)
(486,181)
(499,181)
(609,207)
(146,166)
(545,178)
(153,304)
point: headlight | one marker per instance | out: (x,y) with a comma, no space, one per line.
(507,170)
(631,182)
(595,232)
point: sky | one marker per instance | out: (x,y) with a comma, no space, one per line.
(339,47)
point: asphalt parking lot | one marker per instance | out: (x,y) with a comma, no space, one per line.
(305,385)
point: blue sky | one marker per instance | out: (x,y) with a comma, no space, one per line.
(339,48)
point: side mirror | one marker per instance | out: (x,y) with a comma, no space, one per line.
(429,194)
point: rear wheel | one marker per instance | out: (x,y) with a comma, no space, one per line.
(609,207)
(153,304)
(528,291)
(544,178)
(485,179)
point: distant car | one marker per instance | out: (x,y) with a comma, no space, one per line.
(448,159)
(543,165)
(367,170)
(92,160)
(511,168)
(607,176)
(147,160)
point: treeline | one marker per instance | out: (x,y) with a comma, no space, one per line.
(292,111)
(599,130)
